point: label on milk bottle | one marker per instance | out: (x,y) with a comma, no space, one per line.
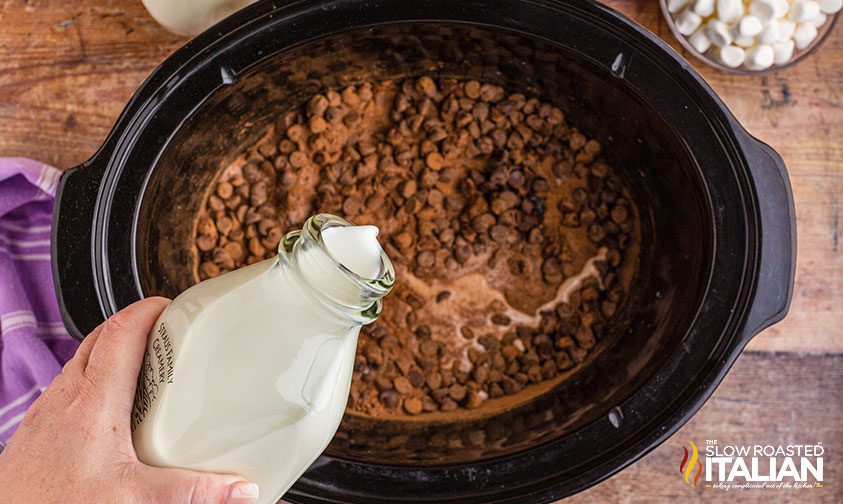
(156,372)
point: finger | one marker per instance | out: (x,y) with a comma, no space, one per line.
(179,485)
(79,361)
(116,356)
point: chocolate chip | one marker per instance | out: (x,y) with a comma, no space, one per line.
(474,400)
(499,233)
(224,225)
(472,89)
(480,374)
(428,347)
(349,96)
(297,133)
(286,146)
(234,249)
(619,214)
(425,259)
(426,86)
(433,379)
(389,398)
(408,188)
(448,405)
(298,159)
(434,161)
(402,385)
(428,404)
(208,269)
(206,243)
(374,354)
(456,392)
(225,190)
(416,378)
(483,222)
(608,308)
(383,383)
(504,201)
(417,303)
(403,241)
(491,93)
(512,162)
(317,105)
(413,406)
(233,202)
(596,232)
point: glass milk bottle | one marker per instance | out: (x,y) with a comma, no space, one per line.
(248,373)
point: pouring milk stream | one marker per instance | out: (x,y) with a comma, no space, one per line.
(248,373)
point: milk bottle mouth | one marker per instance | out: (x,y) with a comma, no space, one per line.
(344,291)
(355,247)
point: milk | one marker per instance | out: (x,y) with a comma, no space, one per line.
(355,247)
(248,373)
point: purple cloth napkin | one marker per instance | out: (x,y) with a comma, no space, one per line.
(34,344)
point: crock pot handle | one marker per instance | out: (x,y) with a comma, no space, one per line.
(73,217)
(777,264)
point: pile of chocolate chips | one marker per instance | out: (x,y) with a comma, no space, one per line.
(463,179)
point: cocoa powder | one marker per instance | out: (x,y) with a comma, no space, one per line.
(514,242)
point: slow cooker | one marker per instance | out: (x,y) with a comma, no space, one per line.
(717,221)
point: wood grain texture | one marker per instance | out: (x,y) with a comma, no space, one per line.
(766,398)
(67,68)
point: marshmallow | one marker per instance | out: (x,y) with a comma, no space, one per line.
(731,56)
(748,26)
(805,34)
(700,41)
(674,6)
(830,6)
(687,22)
(818,20)
(764,10)
(770,33)
(755,34)
(786,29)
(783,51)
(759,57)
(704,8)
(718,33)
(803,10)
(730,11)
(781,8)
(745,41)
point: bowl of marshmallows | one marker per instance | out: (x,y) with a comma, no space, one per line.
(752,36)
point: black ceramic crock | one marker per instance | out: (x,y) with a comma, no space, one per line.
(718,228)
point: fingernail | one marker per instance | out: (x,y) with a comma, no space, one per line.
(244,492)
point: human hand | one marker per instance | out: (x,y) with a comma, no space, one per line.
(75,442)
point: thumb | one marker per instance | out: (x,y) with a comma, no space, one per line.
(192,487)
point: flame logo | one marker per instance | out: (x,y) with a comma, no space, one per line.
(686,470)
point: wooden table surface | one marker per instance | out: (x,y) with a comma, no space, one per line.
(68,67)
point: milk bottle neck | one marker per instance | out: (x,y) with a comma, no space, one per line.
(328,283)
